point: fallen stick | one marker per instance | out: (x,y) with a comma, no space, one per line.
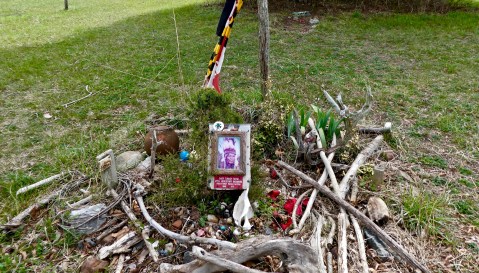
(295,208)
(393,245)
(298,257)
(315,243)
(153,253)
(360,159)
(342,243)
(321,180)
(80,202)
(145,231)
(382,130)
(121,261)
(40,183)
(176,236)
(330,262)
(154,145)
(201,254)
(111,230)
(77,100)
(362,249)
(111,249)
(18,220)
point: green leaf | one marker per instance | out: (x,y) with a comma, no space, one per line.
(291,124)
(294,142)
(322,138)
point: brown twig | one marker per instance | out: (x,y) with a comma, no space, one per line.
(154,145)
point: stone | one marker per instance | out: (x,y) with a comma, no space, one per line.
(128,160)
(200,233)
(212,218)
(378,210)
(144,165)
(170,248)
(79,216)
(93,265)
(187,257)
(178,224)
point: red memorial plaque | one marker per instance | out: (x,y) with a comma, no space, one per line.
(230,182)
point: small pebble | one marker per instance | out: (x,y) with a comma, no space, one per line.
(212,218)
(187,257)
(237,232)
(170,248)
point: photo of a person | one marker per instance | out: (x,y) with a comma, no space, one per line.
(229,153)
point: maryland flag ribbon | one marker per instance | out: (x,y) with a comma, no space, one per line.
(225,24)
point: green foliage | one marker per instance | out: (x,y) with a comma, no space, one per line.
(439,181)
(467,207)
(207,106)
(181,184)
(466,182)
(270,129)
(425,211)
(465,171)
(433,161)
(326,125)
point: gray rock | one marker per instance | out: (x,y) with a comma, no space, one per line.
(145,165)
(80,216)
(128,160)
(212,218)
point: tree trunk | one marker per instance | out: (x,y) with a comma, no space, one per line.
(263,15)
(66,4)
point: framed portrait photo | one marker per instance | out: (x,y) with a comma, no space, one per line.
(229,152)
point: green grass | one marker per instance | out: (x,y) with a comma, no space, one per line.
(426,211)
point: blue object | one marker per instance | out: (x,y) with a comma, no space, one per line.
(222,228)
(184,155)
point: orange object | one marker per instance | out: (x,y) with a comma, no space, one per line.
(167,138)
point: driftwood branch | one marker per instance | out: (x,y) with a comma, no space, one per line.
(393,245)
(201,254)
(342,243)
(382,130)
(117,246)
(111,230)
(315,243)
(81,202)
(362,249)
(40,183)
(154,145)
(144,233)
(360,159)
(120,264)
(176,236)
(86,87)
(298,257)
(18,220)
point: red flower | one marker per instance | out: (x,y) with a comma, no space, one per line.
(273,174)
(177,180)
(289,206)
(288,223)
(274,194)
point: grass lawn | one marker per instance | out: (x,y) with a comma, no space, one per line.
(422,68)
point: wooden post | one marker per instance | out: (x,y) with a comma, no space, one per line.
(263,15)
